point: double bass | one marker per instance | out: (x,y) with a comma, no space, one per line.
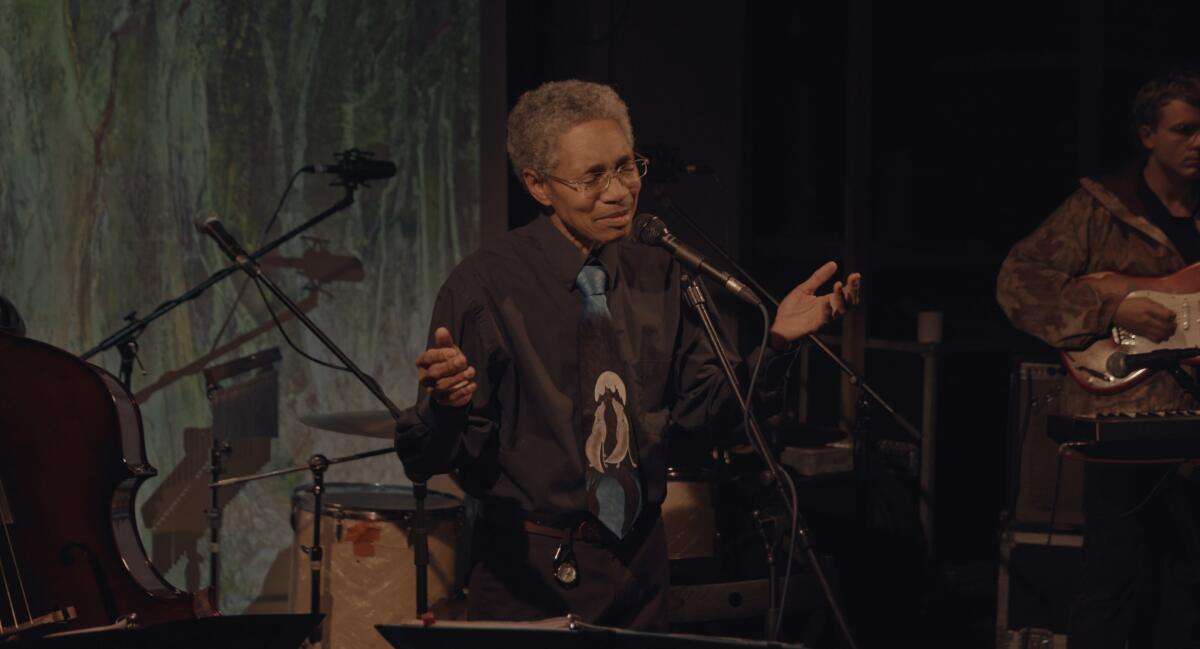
(72,456)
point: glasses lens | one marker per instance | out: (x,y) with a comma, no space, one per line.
(596,186)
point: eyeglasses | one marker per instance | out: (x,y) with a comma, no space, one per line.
(594,184)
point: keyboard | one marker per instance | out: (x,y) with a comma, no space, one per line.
(1143,435)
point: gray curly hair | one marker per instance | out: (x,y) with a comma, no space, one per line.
(542,115)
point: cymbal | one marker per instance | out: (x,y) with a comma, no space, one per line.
(364,423)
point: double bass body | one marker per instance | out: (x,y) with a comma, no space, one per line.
(72,457)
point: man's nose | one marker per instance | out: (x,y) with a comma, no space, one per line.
(616,191)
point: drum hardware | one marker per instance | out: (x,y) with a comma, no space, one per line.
(368,569)
(377,424)
(317,464)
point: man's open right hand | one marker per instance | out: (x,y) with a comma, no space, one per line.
(1145,317)
(444,373)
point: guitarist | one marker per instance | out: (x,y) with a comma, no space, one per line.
(1139,581)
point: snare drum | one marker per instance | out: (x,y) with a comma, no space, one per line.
(367,575)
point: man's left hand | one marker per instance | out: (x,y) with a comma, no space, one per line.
(803,312)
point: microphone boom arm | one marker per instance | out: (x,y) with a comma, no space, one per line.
(251,267)
(135,327)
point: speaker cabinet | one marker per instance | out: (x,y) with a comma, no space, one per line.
(1044,489)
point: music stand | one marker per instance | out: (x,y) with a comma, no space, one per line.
(284,631)
(553,633)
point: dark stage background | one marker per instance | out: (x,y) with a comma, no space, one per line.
(915,142)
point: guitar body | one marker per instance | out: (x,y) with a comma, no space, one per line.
(1179,292)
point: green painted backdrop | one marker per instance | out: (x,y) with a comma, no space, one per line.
(121,120)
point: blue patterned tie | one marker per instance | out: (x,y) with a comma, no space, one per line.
(606,411)
(592,281)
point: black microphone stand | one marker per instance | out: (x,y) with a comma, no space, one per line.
(694,297)
(126,337)
(318,464)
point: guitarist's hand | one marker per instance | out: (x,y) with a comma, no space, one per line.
(1145,317)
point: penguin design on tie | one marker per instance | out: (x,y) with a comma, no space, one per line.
(609,393)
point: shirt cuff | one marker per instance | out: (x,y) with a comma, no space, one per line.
(443,419)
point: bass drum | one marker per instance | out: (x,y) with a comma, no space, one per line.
(367,575)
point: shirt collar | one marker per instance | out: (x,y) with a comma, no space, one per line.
(565,260)
(1154,205)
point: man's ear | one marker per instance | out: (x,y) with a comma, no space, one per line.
(536,187)
(1145,134)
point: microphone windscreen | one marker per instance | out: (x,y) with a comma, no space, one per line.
(1116,365)
(203,218)
(648,229)
(385,168)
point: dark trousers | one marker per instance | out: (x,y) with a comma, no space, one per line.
(620,585)
(1138,583)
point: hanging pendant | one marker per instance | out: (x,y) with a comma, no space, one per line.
(566,571)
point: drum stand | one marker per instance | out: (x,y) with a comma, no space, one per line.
(317,464)
(694,296)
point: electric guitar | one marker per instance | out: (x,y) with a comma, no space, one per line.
(1179,292)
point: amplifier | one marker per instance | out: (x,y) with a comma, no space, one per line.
(1038,476)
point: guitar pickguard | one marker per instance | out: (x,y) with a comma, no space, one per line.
(1089,366)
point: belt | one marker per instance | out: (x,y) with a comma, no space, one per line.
(586,531)
(583,526)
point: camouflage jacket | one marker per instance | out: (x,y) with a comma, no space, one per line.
(1100,227)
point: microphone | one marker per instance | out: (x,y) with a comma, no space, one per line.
(650,230)
(208,223)
(355,167)
(1120,364)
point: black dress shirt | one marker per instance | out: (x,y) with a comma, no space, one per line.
(512,307)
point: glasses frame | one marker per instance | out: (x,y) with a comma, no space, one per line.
(641,162)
